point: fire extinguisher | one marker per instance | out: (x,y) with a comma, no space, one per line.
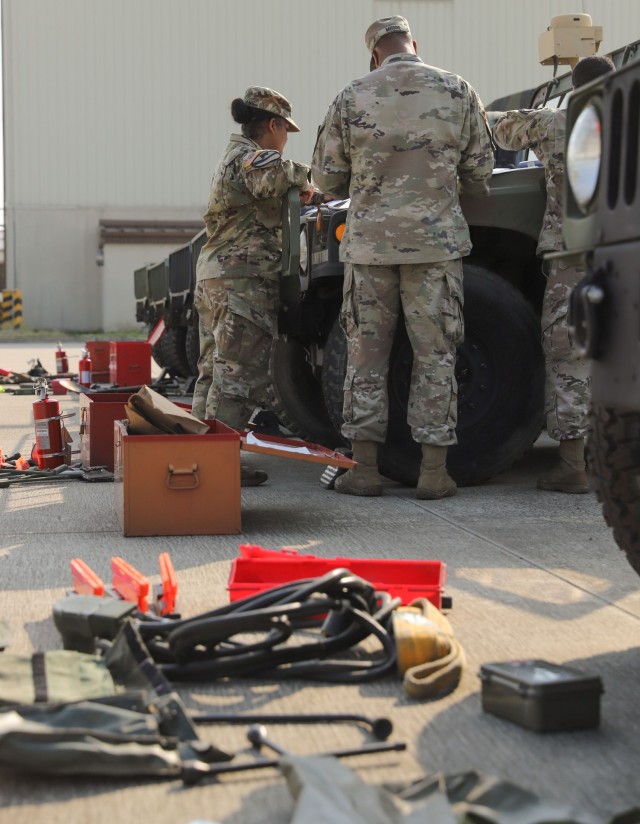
(84,369)
(62,362)
(50,450)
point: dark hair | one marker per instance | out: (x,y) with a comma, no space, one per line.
(591,67)
(253,119)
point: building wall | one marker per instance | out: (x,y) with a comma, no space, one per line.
(121,108)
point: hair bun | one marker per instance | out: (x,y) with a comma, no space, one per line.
(240,112)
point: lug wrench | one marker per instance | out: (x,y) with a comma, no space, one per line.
(381,728)
(194,771)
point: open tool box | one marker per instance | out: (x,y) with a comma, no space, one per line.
(190,484)
(258,569)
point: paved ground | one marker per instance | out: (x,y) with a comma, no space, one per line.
(532,574)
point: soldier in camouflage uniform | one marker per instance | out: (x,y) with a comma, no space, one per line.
(238,268)
(567,377)
(400,142)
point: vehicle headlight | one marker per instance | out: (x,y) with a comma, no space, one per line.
(584,153)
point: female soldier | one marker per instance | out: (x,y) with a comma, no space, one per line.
(237,273)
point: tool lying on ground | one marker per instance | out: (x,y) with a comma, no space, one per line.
(130,585)
(195,771)
(10,475)
(381,728)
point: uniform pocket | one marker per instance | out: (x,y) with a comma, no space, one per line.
(348,312)
(452,305)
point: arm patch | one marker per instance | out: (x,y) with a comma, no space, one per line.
(262,159)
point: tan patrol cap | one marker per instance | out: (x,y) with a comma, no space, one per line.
(270,101)
(380,29)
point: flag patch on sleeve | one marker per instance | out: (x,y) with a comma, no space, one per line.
(262,159)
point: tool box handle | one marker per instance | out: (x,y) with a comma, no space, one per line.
(173,473)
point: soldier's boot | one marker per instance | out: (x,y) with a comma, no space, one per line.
(363,479)
(251,477)
(570,473)
(434,481)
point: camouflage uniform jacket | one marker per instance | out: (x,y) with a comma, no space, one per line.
(398,142)
(542,130)
(244,219)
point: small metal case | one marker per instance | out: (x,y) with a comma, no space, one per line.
(541,696)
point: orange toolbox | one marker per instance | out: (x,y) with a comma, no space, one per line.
(178,484)
(258,569)
(129,363)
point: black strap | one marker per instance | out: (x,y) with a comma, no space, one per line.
(39,671)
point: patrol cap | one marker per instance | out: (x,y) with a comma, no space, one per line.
(270,101)
(381,28)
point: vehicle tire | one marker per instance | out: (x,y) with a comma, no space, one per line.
(192,350)
(614,461)
(173,345)
(298,401)
(500,373)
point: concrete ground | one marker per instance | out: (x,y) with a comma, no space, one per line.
(532,575)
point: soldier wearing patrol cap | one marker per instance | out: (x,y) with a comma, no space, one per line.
(400,142)
(237,272)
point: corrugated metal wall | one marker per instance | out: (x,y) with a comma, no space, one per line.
(123,105)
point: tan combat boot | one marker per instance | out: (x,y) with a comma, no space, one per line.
(569,474)
(434,481)
(251,477)
(363,479)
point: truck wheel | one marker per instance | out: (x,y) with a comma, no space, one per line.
(500,374)
(298,395)
(192,348)
(173,345)
(614,461)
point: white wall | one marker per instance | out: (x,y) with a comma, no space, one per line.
(122,106)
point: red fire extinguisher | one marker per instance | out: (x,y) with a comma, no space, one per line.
(84,369)
(50,450)
(62,362)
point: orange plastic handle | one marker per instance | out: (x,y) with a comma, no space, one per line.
(85,580)
(169,585)
(130,584)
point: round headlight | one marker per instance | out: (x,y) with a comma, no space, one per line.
(584,153)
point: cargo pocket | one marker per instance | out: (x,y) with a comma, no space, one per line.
(348,312)
(452,303)
(243,330)
(347,407)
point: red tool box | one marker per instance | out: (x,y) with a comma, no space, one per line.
(258,569)
(98,411)
(129,363)
(99,351)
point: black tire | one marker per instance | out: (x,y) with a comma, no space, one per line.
(500,373)
(173,345)
(298,395)
(614,461)
(192,350)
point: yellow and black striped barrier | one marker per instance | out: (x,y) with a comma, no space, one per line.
(11,308)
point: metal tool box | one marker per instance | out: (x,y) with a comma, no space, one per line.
(541,696)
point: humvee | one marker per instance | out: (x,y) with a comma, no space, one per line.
(500,365)
(602,231)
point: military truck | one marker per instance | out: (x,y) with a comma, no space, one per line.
(500,365)
(602,231)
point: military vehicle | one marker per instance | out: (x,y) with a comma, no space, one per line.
(602,231)
(500,365)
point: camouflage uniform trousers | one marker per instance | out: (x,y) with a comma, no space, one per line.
(238,321)
(430,294)
(567,377)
